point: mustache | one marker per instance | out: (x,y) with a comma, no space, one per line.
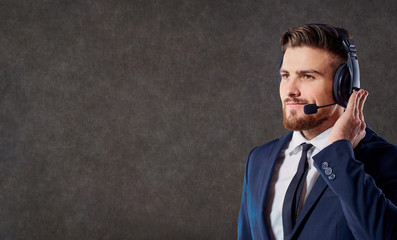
(295,100)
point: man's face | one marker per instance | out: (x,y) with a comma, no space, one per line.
(307,77)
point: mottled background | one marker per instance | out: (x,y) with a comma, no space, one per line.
(133,119)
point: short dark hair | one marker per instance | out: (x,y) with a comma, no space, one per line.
(321,36)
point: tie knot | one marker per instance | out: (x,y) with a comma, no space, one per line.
(306,147)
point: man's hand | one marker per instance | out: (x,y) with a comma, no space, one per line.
(351,126)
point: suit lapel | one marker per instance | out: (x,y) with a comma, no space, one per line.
(314,195)
(270,160)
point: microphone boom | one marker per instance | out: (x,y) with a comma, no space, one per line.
(312,108)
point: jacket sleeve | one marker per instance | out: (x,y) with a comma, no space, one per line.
(370,213)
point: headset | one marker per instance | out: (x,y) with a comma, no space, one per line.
(347,76)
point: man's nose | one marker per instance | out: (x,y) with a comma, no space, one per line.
(292,87)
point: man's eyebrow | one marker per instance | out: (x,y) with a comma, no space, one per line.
(309,71)
(302,72)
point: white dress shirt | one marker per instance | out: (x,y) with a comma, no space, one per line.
(284,171)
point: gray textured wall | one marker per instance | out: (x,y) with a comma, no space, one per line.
(133,119)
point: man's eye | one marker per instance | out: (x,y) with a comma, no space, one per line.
(284,75)
(308,77)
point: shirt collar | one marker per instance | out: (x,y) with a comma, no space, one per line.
(319,142)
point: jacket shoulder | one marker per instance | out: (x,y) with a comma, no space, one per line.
(373,143)
(269,147)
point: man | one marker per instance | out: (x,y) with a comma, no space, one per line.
(332,177)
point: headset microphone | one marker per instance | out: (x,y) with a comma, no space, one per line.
(312,108)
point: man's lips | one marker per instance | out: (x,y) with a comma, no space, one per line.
(295,104)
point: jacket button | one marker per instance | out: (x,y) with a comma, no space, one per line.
(324,165)
(328,171)
(331,176)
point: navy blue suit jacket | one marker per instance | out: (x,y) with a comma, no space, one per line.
(359,203)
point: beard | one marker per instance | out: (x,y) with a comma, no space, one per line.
(297,122)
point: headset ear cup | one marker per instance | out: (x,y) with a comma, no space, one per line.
(341,86)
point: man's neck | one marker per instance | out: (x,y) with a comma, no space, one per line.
(314,132)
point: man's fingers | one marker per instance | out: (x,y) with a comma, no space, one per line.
(351,102)
(357,104)
(355,98)
(361,105)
